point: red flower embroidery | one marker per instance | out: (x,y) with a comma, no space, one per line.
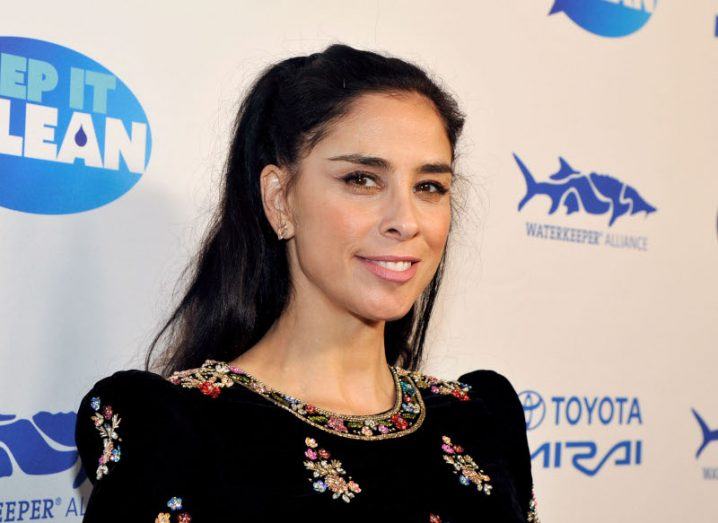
(400,422)
(210,389)
(461,394)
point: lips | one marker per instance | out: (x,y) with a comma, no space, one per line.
(390,258)
(388,274)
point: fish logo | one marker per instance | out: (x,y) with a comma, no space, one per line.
(28,442)
(708,434)
(595,193)
(609,18)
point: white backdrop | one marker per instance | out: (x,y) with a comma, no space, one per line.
(611,344)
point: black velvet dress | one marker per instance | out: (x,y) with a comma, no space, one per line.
(214,443)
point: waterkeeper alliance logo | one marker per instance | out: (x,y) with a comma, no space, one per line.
(592,415)
(597,194)
(610,18)
(73,137)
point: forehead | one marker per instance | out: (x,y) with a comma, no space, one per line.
(404,127)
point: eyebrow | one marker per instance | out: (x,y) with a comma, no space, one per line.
(381,163)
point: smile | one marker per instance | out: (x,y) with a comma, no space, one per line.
(397,271)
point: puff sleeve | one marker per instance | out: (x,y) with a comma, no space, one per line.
(504,404)
(116,441)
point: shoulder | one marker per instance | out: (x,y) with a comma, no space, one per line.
(499,397)
(494,389)
(135,390)
(131,382)
(209,378)
(496,392)
(114,416)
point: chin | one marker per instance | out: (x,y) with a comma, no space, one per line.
(386,313)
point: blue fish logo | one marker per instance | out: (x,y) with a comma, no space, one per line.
(610,18)
(708,434)
(596,193)
(26,439)
(73,137)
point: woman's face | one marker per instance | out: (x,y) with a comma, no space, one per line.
(377,185)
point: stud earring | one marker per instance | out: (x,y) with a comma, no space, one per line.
(282,231)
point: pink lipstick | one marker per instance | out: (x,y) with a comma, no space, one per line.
(387,273)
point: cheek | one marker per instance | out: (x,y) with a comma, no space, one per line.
(436,231)
(333,232)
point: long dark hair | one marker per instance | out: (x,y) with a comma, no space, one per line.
(239,282)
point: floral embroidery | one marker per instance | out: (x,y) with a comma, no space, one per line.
(106,422)
(438,385)
(331,472)
(405,417)
(532,516)
(464,465)
(174,505)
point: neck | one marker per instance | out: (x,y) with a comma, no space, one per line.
(326,357)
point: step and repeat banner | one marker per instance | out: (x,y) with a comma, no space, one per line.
(584,267)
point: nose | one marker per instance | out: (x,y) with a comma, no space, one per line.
(400,220)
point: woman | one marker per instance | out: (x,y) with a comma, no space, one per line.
(290,390)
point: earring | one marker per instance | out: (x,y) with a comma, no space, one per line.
(282,230)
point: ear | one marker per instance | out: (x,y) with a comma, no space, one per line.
(273,182)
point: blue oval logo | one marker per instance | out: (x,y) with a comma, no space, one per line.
(73,137)
(610,18)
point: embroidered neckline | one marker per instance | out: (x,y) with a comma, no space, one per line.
(406,416)
(245,378)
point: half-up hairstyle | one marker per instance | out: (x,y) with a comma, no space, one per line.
(239,280)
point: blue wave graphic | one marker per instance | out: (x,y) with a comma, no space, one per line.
(30,449)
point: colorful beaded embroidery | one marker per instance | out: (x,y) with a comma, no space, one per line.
(438,385)
(405,417)
(532,516)
(464,465)
(106,422)
(330,472)
(174,505)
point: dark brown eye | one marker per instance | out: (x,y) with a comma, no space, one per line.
(439,187)
(358,179)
